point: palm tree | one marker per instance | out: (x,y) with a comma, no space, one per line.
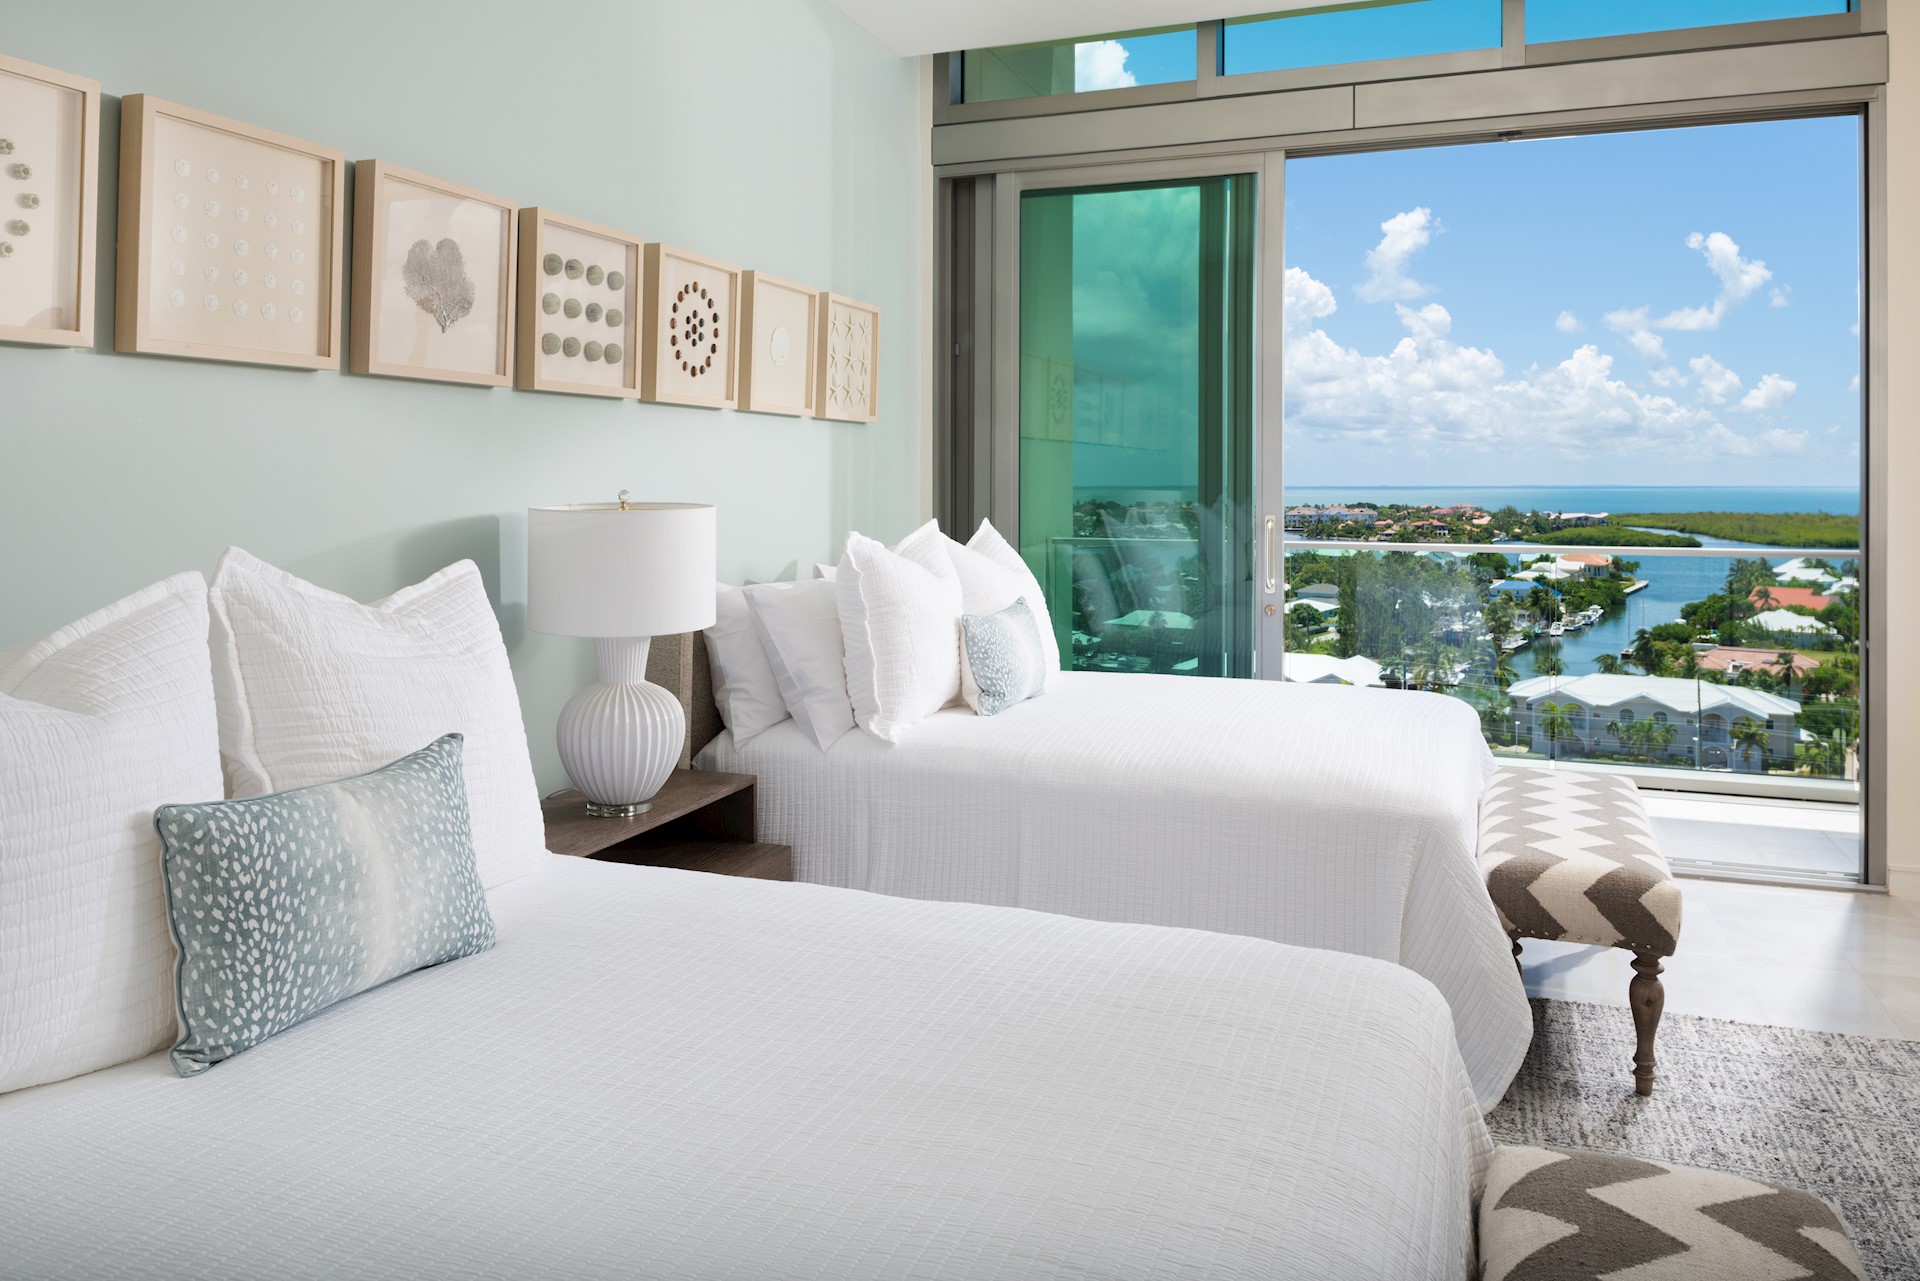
(1762,597)
(1690,664)
(1556,722)
(1547,662)
(1609,664)
(1660,737)
(1749,736)
(1502,670)
(1784,661)
(1643,655)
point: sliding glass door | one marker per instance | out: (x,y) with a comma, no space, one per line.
(1136,420)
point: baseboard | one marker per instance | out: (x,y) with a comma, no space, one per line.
(1903,880)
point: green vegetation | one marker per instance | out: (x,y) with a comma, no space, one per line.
(1776,529)
(1621,536)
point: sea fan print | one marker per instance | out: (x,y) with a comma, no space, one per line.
(436,278)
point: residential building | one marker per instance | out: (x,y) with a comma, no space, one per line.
(1599,708)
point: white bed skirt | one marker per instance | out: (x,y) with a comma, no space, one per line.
(1322,816)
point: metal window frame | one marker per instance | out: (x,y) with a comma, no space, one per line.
(1864,17)
(1783,75)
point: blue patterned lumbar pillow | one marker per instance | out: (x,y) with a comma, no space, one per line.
(1001,659)
(283,905)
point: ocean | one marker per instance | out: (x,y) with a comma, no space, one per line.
(1672,581)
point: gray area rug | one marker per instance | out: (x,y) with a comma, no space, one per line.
(1838,1116)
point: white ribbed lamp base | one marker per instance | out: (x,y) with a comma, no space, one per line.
(620,739)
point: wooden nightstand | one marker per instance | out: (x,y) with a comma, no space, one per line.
(701,821)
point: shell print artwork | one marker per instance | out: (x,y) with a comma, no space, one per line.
(436,278)
(551,264)
(6,146)
(595,275)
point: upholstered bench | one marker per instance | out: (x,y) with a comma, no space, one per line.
(1549,1215)
(1569,856)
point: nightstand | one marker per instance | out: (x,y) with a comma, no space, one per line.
(701,821)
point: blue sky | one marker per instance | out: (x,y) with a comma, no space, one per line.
(1408,29)
(1669,306)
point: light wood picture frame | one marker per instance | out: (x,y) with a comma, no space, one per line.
(847,360)
(579,322)
(230,239)
(49,193)
(433,278)
(779,330)
(692,309)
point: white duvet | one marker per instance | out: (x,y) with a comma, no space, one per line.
(1323,816)
(671,1075)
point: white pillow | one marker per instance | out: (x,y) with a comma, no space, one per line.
(900,614)
(315,687)
(799,624)
(828,572)
(744,686)
(100,723)
(987,544)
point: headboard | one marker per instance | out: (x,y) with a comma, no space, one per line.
(679,663)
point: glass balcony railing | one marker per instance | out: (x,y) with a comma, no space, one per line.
(1694,660)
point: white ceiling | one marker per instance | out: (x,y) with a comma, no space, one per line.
(914,27)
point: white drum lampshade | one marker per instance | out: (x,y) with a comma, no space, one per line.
(621,573)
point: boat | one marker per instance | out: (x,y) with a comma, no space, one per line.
(1556,630)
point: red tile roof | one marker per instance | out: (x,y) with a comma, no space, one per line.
(1785,596)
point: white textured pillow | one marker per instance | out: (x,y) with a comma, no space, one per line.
(100,723)
(314,687)
(744,686)
(900,614)
(799,624)
(828,572)
(987,544)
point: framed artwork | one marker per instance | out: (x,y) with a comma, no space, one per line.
(692,305)
(779,323)
(230,240)
(433,278)
(847,360)
(579,322)
(49,181)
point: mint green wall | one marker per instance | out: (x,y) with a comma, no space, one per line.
(773,133)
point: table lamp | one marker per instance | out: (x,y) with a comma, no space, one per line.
(621,573)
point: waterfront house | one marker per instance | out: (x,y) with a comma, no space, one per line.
(1703,716)
(1787,598)
(1325,669)
(1735,659)
(1785,622)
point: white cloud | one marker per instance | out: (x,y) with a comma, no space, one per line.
(1304,300)
(1652,348)
(1779,297)
(1432,394)
(1739,276)
(1771,392)
(1567,323)
(1717,382)
(1100,64)
(1402,236)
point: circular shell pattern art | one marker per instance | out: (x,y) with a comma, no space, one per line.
(583,282)
(693,329)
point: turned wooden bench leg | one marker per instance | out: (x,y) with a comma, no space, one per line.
(1648,998)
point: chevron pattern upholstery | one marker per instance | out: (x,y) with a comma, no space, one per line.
(1570,856)
(1551,1215)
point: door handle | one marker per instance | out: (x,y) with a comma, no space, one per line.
(1270,549)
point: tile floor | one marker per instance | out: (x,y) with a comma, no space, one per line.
(1831,960)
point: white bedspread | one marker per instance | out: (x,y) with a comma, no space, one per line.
(1324,816)
(673,1075)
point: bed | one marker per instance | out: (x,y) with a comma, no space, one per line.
(669,1074)
(1320,816)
